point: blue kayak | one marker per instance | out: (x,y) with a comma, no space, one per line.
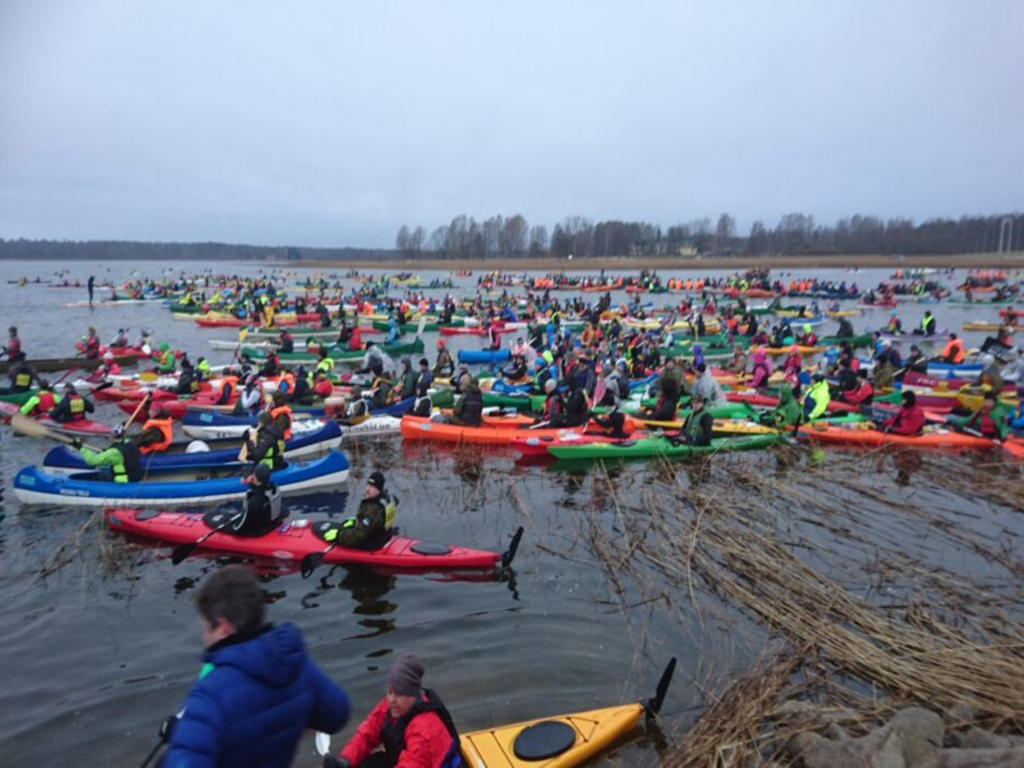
(504,388)
(63,459)
(170,487)
(203,425)
(472,356)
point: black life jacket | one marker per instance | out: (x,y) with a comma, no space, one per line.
(132,460)
(473,407)
(392,733)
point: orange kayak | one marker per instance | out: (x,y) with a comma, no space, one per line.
(493,432)
(939,438)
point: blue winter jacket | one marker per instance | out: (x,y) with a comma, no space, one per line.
(250,710)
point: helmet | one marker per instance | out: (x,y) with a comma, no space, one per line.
(197,446)
(262,473)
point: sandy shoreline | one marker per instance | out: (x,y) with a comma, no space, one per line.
(974,260)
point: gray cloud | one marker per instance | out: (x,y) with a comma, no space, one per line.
(330,123)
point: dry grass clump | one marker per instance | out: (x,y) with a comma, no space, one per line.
(849,574)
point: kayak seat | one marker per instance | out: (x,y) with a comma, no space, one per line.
(544,740)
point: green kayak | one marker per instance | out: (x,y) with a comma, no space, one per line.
(382,325)
(861,340)
(521,403)
(18,398)
(724,411)
(653,447)
(337,354)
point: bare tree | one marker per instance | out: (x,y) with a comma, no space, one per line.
(724,232)
(402,240)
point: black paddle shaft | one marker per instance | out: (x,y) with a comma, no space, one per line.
(184,550)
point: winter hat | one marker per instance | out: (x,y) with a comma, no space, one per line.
(406,675)
(377,481)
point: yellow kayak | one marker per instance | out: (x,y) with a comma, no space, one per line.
(979,325)
(974,400)
(719,427)
(561,741)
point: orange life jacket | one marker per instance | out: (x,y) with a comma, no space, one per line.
(285,410)
(954,351)
(166,429)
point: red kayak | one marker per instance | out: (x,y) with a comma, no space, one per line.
(177,409)
(80,427)
(295,539)
(914,379)
(133,394)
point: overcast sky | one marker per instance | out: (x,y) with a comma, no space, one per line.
(332,123)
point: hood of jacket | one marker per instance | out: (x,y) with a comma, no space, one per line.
(274,657)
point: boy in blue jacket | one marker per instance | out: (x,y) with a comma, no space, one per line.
(257,691)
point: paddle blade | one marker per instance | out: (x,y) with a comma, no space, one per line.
(181,552)
(510,553)
(148,376)
(422,324)
(653,707)
(323,743)
(23,425)
(310,563)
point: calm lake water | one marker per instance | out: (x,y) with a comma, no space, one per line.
(98,652)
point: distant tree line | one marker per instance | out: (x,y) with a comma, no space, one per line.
(512,237)
(796,234)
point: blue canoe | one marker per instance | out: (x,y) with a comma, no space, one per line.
(166,487)
(472,356)
(63,459)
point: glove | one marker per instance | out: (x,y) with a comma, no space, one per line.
(340,762)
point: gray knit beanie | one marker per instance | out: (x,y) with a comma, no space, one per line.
(406,675)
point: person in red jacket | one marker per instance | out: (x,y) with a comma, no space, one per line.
(909,420)
(409,727)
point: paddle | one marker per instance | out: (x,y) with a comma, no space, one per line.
(184,550)
(66,374)
(23,425)
(653,706)
(135,413)
(510,554)
(323,743)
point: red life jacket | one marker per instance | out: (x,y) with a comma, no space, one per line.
(46,402)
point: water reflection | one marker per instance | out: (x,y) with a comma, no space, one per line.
(907,464)
(368,590)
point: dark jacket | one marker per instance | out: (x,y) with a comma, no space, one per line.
(251,709)
(367,527)
(469,410)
